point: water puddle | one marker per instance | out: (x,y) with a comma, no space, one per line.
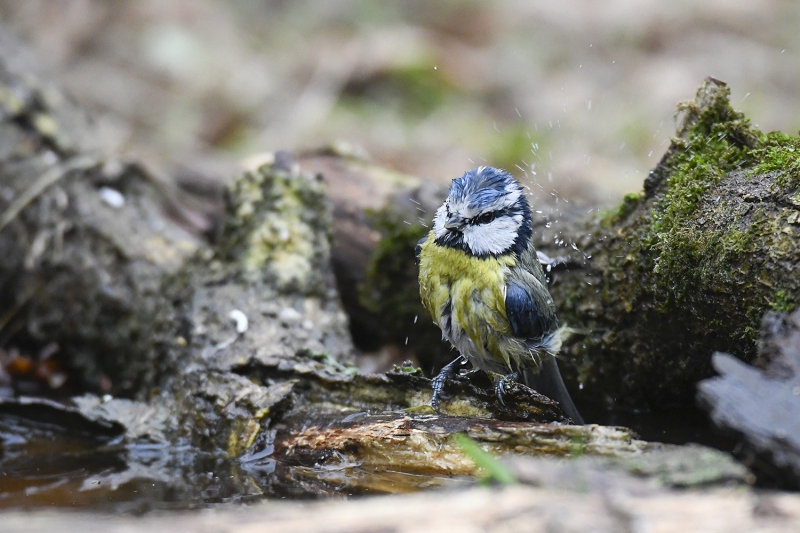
(46,463)
(52,456)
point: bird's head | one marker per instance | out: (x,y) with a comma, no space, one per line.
(485,214)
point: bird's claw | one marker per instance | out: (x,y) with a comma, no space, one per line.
(438,392)
(499,390)
(440,380)
(500,386)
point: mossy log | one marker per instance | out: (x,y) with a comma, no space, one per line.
(690,266)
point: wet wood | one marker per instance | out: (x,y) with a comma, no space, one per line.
(424,444)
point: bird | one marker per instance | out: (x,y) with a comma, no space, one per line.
(482,282)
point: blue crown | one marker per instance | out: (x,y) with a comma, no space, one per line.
(482,186)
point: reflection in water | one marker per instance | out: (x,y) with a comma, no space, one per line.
(53,456)
(47,464)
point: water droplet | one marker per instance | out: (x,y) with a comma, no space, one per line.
(415,318)
(435,67)
(589,105)
(650,153)
(406,341)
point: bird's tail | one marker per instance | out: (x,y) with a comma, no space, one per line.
(548,379)
(548,382)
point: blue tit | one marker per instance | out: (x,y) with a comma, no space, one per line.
(481,281)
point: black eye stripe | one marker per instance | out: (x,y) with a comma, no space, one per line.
(484,218)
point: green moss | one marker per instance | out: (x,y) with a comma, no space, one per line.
(716,143)
(779,153)
(783,301)
(408,368)
(329,360)
(616,215)
(689,267)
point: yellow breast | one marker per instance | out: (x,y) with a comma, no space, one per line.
(474,288)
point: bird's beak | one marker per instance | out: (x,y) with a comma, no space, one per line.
(455,222)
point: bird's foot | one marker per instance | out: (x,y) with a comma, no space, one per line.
(500,386)
(440,380)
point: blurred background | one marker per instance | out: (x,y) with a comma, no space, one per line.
(579,94)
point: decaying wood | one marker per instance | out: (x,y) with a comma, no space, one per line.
(370,201)
(424,444)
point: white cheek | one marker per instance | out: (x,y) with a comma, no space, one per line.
(496,237)
(438,221)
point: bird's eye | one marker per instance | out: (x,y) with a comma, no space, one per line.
(485,218)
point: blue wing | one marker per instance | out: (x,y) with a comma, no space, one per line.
(523,314)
